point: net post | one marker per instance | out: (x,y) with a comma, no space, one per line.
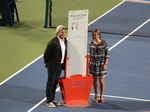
(50,13)
(46,14)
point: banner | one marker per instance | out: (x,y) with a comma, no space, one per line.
(77,42)
(3,13)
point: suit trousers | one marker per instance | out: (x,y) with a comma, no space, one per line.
(51,85)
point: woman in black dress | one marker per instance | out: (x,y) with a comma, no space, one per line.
(98,50)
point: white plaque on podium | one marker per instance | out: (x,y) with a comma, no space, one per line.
(77,42)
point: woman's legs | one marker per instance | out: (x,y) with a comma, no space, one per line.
(102,87)
(95,85)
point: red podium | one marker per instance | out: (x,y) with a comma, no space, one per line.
(76,89)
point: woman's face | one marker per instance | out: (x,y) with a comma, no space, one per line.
(62,33)
(96,35)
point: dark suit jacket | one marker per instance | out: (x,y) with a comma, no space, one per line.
(53,55)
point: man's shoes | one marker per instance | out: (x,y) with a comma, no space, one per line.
(51,104)
(56,103)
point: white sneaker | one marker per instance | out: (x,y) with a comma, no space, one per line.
(51,104)
(56,103)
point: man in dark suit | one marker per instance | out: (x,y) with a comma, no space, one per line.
(54,59)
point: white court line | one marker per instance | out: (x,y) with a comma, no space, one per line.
(20,70)
(120,97)
(58,89)
(37,105)
(128,98)
(129,34)
(106,12)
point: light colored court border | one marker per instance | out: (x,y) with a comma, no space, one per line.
(138,1)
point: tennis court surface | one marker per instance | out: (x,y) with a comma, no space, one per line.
(126,28)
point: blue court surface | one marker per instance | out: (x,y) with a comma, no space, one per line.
(126,28)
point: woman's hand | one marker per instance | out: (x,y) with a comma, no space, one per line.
(104,66)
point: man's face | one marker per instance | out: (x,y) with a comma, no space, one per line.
(62,33)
